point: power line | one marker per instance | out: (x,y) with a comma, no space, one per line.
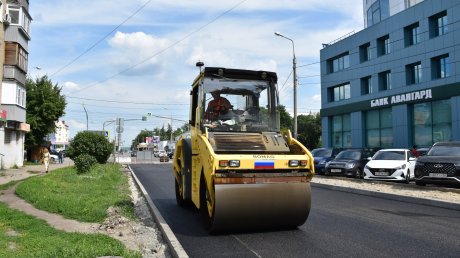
(100,40)
(165,49)
(130,102)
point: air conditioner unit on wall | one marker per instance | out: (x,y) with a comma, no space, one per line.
(7,19)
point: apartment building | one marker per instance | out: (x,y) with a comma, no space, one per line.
(60,139)
(14,44)
(397,82)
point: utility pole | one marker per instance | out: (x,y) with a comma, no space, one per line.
(294,70)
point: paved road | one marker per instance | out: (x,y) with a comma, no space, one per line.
(340,224)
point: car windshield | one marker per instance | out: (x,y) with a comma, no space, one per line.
(239,105)
(322,153)
(389,155)
(444,151)
(349,154)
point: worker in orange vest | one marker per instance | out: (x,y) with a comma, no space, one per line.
(219,105)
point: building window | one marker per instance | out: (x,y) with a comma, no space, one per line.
(339,63)
(440,66)
(378,11)
(366,85)
(412,34)
(19,17)
(341,131)
(438,24)
(365,52)
(410,3)
(383,45)
(16,55)
(414,73)
(432,122)
(340,92)
(385,81)
(379,128)
(20,96)
(8,136)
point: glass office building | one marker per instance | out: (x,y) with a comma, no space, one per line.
(400,84)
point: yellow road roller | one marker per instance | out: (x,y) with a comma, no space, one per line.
(235,165)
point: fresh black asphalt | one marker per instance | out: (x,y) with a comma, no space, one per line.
(340,224)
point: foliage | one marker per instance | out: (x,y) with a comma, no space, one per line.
(285,118)
(309,130)
(82,197)
(165,134)
(84,163)
(91,144)
(45,105)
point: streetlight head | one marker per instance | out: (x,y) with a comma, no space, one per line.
(38,67)
(277,34)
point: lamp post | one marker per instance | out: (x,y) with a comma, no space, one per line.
(171,137)
(295,81)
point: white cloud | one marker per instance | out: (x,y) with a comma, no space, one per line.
(71,86)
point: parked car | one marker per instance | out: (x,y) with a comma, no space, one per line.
(322,156)
(133,153)
(163,156)
(440,165)
(391,165)
(423,151)
(349,162)
(53,158)
(156,153)
(171,154)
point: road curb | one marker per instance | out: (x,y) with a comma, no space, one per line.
(176,248)
(409,199)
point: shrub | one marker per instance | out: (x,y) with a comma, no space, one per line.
(84,163)
(92,144)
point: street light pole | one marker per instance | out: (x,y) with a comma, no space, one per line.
(294,70)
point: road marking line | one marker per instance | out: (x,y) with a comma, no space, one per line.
(245,245)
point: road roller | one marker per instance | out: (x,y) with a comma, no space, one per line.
(235,165)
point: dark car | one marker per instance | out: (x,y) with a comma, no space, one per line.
(322,156)
(349,162)
(133,153)
(440,165)
(170,154)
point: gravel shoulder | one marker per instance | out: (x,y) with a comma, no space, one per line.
(434,193)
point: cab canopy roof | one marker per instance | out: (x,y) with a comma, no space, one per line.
(219,72)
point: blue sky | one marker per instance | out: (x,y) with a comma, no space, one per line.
(148,63)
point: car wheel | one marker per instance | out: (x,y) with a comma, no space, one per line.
(359,173)
(407,181)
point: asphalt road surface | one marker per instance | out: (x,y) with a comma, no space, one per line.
(340,225)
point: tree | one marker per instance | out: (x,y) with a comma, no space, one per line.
(89,143)
(141,137)
(285,118)
(45,105)
(309,130)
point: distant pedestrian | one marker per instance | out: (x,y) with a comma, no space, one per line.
(415,152)
(61,157)
(46,159)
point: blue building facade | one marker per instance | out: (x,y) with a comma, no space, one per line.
(397,82)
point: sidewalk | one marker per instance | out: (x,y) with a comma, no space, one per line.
(12,174)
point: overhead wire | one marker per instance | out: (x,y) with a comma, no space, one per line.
(164,49)
(101,39)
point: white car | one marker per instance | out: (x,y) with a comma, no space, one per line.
(391,165)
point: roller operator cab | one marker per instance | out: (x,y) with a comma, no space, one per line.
(235,166)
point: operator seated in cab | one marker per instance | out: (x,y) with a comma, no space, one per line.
(219,105)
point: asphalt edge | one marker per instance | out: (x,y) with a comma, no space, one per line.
(409,199)
(176,248)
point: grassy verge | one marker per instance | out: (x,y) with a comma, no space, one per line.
(22,235)
(7,185)
(84,197)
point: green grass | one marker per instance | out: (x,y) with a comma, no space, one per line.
(83,197)
(7,185)
(32,237)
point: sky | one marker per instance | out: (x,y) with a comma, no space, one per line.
(124,59)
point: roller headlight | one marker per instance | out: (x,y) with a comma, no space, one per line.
(229,163)
(293,163)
